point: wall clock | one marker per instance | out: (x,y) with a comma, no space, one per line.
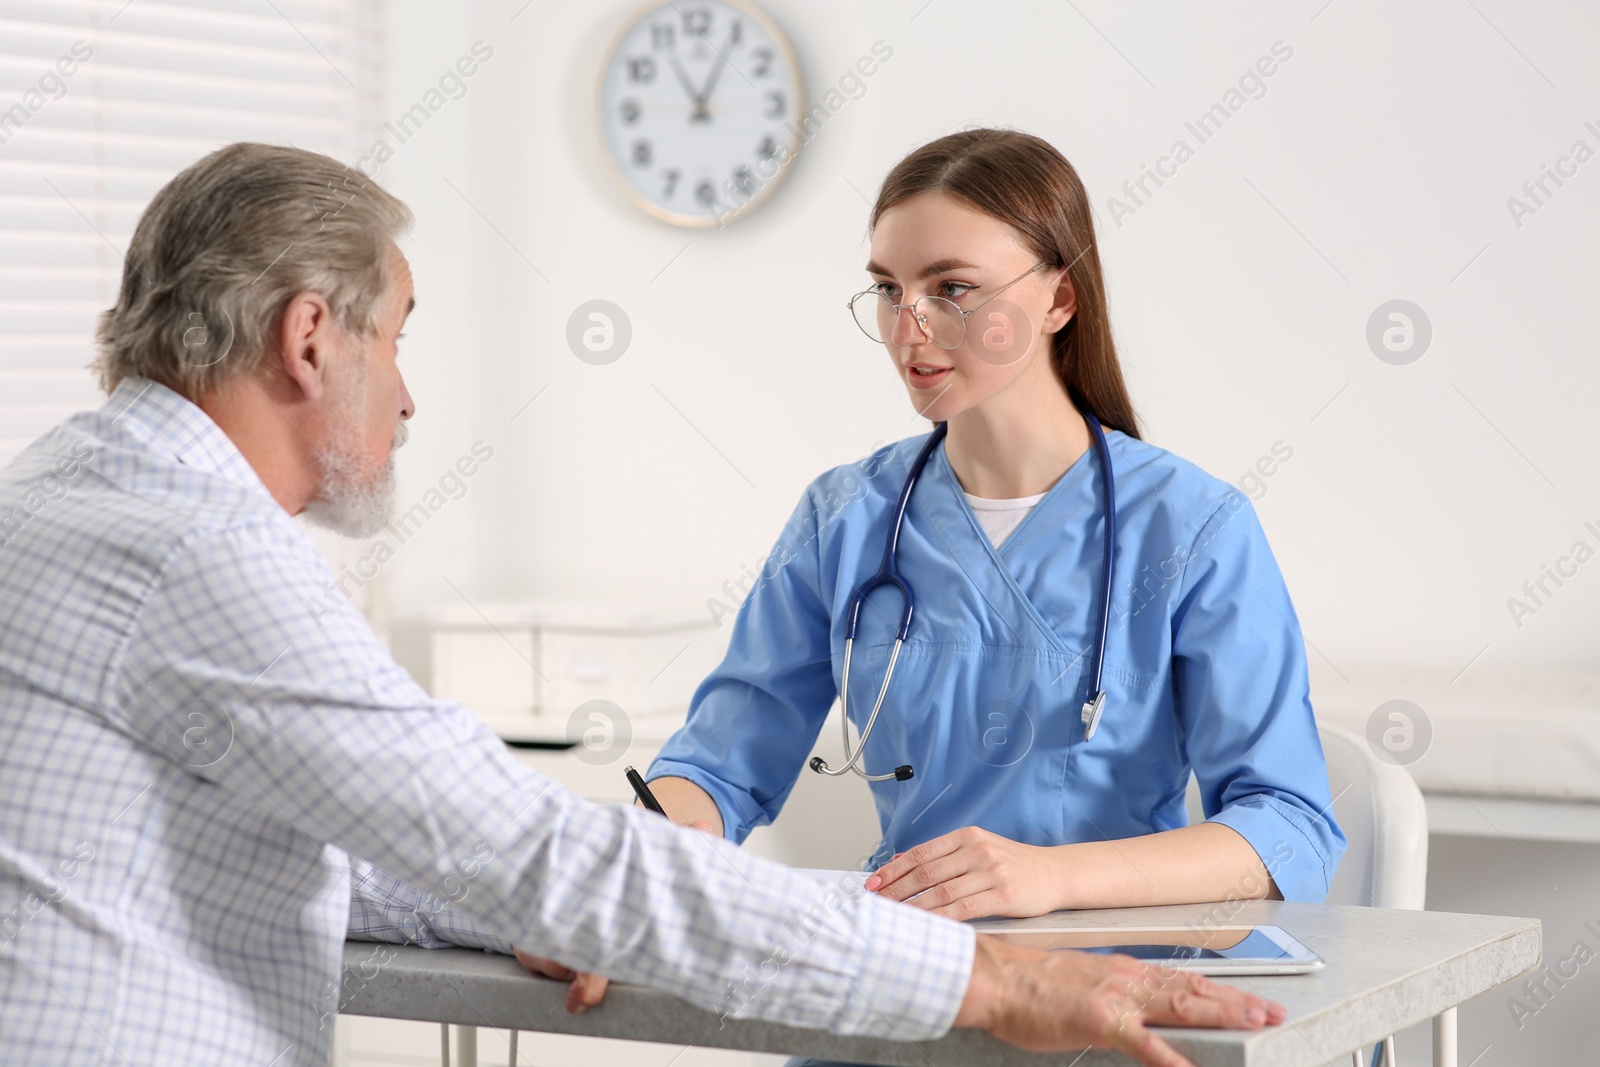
(700,107)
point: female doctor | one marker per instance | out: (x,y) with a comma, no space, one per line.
(1017,767)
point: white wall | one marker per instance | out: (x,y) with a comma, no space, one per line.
(1377,166)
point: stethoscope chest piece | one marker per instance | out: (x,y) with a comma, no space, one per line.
(1093,708)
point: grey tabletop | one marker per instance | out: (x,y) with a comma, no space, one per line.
(1386,970)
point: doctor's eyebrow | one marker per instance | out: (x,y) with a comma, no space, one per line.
(943,266)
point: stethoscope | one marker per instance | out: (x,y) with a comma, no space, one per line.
(889,574)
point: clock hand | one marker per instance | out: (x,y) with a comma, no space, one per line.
(716,69)
(700,114)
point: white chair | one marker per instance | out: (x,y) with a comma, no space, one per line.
(1381,811)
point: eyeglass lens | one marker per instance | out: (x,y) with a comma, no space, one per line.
(937,317)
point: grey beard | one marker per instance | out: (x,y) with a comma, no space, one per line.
(349,502)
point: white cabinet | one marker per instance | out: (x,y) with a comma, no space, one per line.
(538,672)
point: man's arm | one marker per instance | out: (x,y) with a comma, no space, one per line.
(383,908)
(328,734)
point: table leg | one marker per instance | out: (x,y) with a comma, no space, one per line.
(467,1047)
(1444,1038)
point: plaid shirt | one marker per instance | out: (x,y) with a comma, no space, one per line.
(192,745)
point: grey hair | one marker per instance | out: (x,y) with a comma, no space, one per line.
(224,247)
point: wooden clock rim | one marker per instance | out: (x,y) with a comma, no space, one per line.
(649,206)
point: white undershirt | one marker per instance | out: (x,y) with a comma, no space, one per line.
(1000,517)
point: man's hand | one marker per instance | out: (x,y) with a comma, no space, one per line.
(586,990)
(970,874)
(1060,1001)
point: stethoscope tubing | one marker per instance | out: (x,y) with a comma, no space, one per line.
(889,574)
(1108,554)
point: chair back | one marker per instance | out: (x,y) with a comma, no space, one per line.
(1381,811)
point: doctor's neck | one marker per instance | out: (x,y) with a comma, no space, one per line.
(1017,443)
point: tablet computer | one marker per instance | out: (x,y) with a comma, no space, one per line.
(1217,950)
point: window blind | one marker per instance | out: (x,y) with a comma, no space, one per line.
(103,101)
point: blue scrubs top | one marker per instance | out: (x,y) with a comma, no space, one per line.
(1204,666)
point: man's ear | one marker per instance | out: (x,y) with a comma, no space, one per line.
(1063,306)
(305,337)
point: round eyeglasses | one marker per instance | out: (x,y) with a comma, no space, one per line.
(941,321)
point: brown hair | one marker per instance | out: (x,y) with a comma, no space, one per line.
(1024,182)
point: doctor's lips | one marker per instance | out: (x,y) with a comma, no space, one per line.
(926,375)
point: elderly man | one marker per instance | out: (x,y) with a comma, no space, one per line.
(192,747)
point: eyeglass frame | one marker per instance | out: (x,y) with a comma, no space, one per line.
(920,319)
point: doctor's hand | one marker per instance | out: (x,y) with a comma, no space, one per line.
(687,804)
(970,874)
(1062,1001)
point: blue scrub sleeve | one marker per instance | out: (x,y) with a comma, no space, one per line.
(1243,702)
(755,719)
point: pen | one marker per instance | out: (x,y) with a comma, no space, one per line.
(647,798)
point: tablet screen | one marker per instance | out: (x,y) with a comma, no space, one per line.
(1255,945)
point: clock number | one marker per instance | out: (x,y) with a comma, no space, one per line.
(642,69)
(686,44)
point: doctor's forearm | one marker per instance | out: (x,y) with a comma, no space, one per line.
(686,803)
(1204,862)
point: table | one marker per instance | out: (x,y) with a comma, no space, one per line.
(1386,970)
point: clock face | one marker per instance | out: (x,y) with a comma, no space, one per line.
(699,106)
